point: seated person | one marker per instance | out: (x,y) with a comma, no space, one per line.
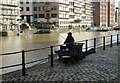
(69,41)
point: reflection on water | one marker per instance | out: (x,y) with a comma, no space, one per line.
(29,41)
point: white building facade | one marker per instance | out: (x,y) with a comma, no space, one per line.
(9,14)
(26,11)
(71,10)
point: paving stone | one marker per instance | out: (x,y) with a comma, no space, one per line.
(97,67)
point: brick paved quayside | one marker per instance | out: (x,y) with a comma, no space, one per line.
(100,66)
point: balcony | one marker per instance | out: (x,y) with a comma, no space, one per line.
(78,11)
(88,7)
(88,2)
(47,17)
(88,12)
(11,4)
(83,15)
(78,5)
(47,10)
(82,9)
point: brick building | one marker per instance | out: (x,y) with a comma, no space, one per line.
(104,13)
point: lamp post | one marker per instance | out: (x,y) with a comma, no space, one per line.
(118,16)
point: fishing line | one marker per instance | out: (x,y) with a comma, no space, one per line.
(60,35)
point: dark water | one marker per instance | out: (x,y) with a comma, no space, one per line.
(28,40)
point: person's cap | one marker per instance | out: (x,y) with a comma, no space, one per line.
(69,33)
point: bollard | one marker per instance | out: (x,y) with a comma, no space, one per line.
(23,63)
(94,45)
(51,64)
(103,43)
(111,41)
(86,45)
(117,39)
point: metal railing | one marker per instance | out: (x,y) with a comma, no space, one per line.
(85,47)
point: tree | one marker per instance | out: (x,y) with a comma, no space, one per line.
(83,26)
(77,21)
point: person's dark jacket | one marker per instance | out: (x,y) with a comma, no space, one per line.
(69,41)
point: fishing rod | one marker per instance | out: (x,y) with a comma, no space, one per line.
(60,35)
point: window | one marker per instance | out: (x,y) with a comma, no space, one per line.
(41,8)
(54,15)
(41,15)
(71,3)
(35,15)
(16,12)
(22,17)
(54,8)
(71,10)
(27,2)
(34,2)
(47,15)
(71,16)
(22,9)
(27,9)
(41,2)
(21,2)
(35,8)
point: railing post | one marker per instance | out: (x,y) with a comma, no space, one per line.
(94,45)
(117,39)
(23,63)
(103,43)
(51,64)
(111,41)
(86,41)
